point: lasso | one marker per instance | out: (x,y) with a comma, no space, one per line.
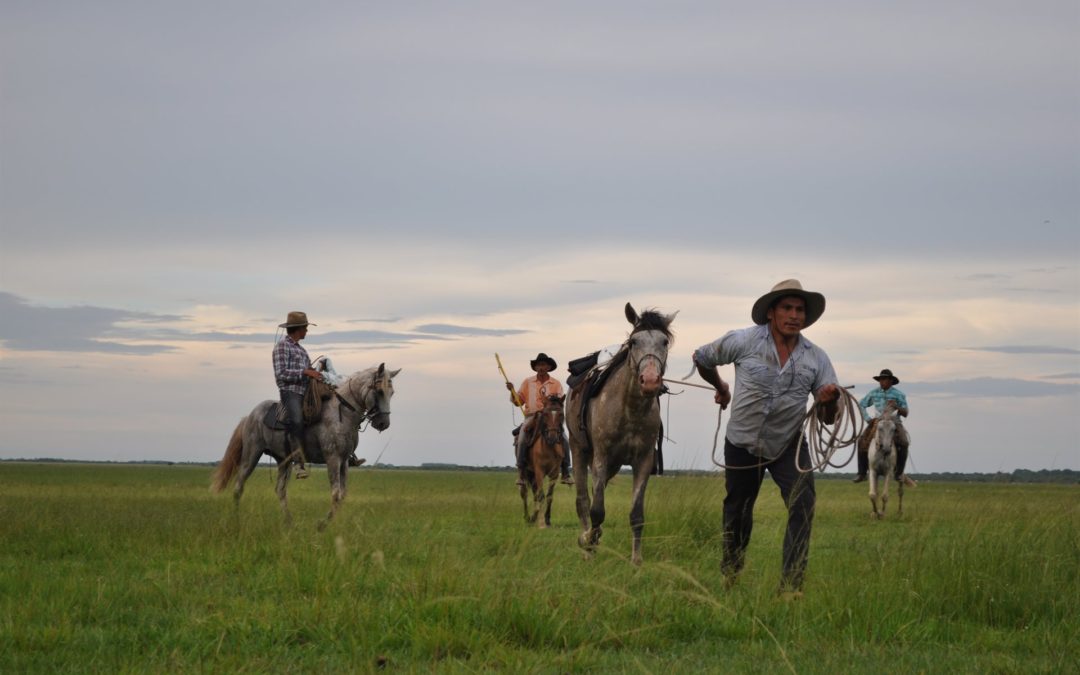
(823,440)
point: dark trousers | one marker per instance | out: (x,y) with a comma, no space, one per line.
(294,421)
(743,485)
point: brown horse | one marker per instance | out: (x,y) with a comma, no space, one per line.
(622,426)
(545,457)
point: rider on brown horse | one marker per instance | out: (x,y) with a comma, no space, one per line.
(533,394)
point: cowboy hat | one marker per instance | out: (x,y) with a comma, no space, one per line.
(295,320)
(885,372)
(542,358)
(815,302)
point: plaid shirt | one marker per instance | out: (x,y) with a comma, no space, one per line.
(290,362)
(877,398)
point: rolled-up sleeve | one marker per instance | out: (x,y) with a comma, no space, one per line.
(721,351)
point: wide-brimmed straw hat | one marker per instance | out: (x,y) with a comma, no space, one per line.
(815,302)
(885,372)
(543,358)
(295,320)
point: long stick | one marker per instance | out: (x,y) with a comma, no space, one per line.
(513,392)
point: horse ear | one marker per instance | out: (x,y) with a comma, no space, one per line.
(670,317)
(382,369)
(393,373)
(631,315)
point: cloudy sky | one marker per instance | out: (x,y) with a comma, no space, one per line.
(437,182)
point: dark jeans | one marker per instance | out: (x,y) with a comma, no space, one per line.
(294,421)
(743,485)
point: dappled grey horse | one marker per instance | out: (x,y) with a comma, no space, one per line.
(362,397)
(622,426)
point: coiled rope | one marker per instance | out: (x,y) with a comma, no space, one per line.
(823,440)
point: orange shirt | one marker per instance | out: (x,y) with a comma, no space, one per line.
(534,393)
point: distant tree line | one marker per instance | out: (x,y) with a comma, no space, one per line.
(1059,476)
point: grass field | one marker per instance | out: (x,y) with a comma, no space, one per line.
(126,568)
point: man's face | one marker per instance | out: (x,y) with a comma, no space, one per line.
(543,369)
(788,316)
(885,383)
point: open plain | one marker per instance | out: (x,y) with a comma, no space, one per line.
(139,568)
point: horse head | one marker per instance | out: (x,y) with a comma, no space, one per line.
(551,420)
(377,395)
(885,429)
(649,341)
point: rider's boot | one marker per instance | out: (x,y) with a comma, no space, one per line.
(297,456)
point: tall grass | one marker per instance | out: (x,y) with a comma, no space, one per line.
(140,568)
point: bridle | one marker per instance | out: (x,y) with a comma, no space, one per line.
(661,362)
(552,428)
(368,412)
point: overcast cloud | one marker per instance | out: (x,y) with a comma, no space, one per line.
(433,183)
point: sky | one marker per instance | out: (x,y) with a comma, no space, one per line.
(435,183)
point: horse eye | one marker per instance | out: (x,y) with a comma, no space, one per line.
(665,342)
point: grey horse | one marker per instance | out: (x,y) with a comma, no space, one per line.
(362,397)
(621,426)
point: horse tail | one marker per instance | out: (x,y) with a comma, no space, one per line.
(228,465)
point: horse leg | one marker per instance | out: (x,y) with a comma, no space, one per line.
(637,507)
(538,500)
(524,489)
(249,459)
(873,492)
(550,493)
(900,497)
(335,466)
(581,487)
(591,537)
(284,470)
(885,492)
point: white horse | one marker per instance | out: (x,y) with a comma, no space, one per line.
(362,397)
(882,461)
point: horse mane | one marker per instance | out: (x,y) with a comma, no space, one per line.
(650,319)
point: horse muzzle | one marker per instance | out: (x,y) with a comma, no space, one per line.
(381,421)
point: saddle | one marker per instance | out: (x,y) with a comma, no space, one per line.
(587,378)
(316,393)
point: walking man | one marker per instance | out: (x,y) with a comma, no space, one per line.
(776,369)
(292,370)
(877,399)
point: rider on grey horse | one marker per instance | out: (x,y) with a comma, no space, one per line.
(292,370)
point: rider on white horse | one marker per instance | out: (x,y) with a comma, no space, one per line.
(885,394)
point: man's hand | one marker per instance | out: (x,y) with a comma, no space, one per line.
(828,394)
(723,392)
(723,395)
(313,374)
(509,387)
(828,398)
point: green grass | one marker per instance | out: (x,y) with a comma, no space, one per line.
(118,568)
